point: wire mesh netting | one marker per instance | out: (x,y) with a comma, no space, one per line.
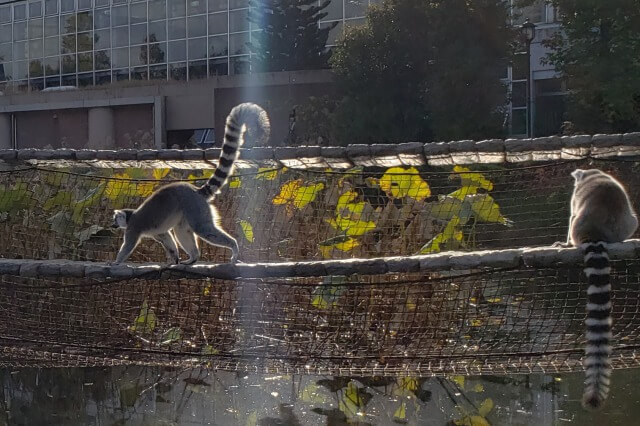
(480,321)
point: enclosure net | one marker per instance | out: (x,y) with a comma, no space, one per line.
(509,320)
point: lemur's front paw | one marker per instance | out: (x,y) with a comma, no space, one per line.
(560,244)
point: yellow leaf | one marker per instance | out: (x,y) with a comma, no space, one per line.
(145,322)
(235,182)
(494,299)
(469,178)
(287,192)
(342,243)
(485,407)
(160,173)
(476,323)
(471,421)
(206,174)
(401,412)
(209,350)
(247,230)
(145,189)
(447,207)
(408,383)
(252,419)
(352,228)
(486,209)
(306,194)
(119,186)
(345,199)
(450,231)
(267,173)
(463,192)
(398,182)
(348,245)
(207,289)
(313,394)
(351,402)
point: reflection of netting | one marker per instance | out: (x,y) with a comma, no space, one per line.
(497,322)
(515,320)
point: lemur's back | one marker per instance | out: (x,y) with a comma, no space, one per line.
(178,202)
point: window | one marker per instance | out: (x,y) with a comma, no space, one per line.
(120,37)
(519,94)
(177,51)
(35,28)
(158,53)
(20,50)
(102,39)
(5,33)
(198,48)
(85,42)
(68,24)
(5,13)
(36,49)
(85,21)
(218,46)
(177,8)
(138,13)
(51,46)
(177,28)
(35,9)
(197,70)
(51,26)
(84,4)
(196,7)
(68,64)
(178,71)
(119,16)
(20,31)
(52,65)
(157,9)
(198,26)
(139,55)
(102,18)
(238,21)
(157,31)
(120,57)
(218,5)
(85,61)
(19,12)
(333,11)
(50,7)
(218,23)
(138,34)
(238,43)
(102,59)
(67,5)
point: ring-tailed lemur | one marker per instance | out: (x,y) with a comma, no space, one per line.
(601,213)
(180,211)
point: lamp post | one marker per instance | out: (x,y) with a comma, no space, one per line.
(528,30)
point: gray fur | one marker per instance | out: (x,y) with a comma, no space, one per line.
(601,213)
(176,213)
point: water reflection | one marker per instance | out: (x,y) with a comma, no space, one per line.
(141,396)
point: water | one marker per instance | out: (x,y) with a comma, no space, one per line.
(156,396)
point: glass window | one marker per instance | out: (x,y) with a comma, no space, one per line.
(239,65)
(218,23)
(85,61)
(36,84)
(84,4)
(198,48)
(6,52)
(333,33)
(157,53)
(85,42)
(102,39)
(177,28)
(85,21)
(176,8)
(177,51)
(51,46)
(238,21)
(20,70)
(20,30)
(103,78)
(178,71)
(519,121)
(238,43)
(50,7)
(157,31)
(69,80)
(218,46)
(158,72)
(52,65)
(36,49)
(5,13)
(138,55)
(120,37)
(196,7)
(35,28)
(101,3)
(218,5)
(85,80)
(35,9)
(333,11)
(6,72)
(102,18)
(238,4)
(5,33)
(67,24)
(157,9)
(197,26)
(138,13)
(197,70)
(138,34)
(120,57)
(19,12)
(51,26)
(120,75)
(140,73)
(102,59)
(519,94)
(36,69)
(119,16)
(68,44)
(52,81)
(67,5)
(20,50)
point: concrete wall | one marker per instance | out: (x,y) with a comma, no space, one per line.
(140,114)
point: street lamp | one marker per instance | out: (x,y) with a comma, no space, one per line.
(528,30)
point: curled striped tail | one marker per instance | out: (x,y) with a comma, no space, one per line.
(598,350)
(243,118)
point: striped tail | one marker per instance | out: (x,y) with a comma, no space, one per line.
(243,118)
(598,350)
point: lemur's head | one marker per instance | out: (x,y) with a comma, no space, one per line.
(121,218)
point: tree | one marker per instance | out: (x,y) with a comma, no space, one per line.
(289,38)
(419,70)
(598,52)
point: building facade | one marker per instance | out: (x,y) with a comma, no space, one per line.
(49,45)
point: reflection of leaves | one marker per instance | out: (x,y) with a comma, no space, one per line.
(160,173)
(353,400)
(129,394)
(451,236)
(327,293)
(172,335)
(15,198)
(335,384)
(400,415)
(87,233)
(312,394)
(209,350)
(266,173)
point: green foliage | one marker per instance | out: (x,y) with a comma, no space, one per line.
(598,54)
(421,70)
(290,38)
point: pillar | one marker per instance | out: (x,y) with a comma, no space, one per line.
(6,134)
(101,128)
